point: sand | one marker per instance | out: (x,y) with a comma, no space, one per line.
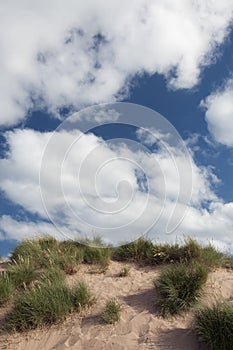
(140,327)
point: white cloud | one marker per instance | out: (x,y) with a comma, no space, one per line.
(219,114)
(107,180)
(73,53)
(19,230)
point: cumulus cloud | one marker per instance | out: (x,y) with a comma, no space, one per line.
(57,54)
(90,187)
(219,113)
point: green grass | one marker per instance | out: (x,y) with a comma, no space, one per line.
(141,250)
(111,312)
(147,252)
(211,257)
(82,297)
(7,289)
(187,252)
(97,255)
(67,255)
(28,249)
(48,242)
(63,259)
(22,272)
(179,287)
(214,325)
(49,301)
(46,252)
(44,304)
(125,271)
(54,275)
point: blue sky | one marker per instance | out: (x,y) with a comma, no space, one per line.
(172,57)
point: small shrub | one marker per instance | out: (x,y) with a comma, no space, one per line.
(44,304)
(81,296)
(111,312)
(21,272)
(7,289)
(214,325)
(179,287)
(124,271)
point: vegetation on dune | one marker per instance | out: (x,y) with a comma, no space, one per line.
(125,271)
(81,296)
(146,252)
(179,287)
(111,313)
(141,250)
(48,302)
(44,304)
(47,252)
(22,272)
(7,289)
(38,267)
(97,255)
(52,275)
(214,325)
(28,249)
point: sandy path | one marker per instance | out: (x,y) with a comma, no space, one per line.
(140,326)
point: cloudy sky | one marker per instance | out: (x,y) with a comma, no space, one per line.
(64,68)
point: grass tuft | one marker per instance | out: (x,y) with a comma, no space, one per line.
(81,296)
(125,271)
(140,251)
(111,312)
(22,272)
(44,304)
(28,249)
(54,275)
(179,287)
(97,255)
(7,289)
(214,325)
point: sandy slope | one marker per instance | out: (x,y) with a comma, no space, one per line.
(140,327)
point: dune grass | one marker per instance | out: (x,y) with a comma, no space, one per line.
(147,252)
(125,272)
(179,287)
(81,295)
(141,250)
(28,249)
(45,261)
(46,252)
(67,255)
(214,325)
(22,272)
(53,275)
(49,301)
(111,313)
(44,304)
(7,289)
(97,256)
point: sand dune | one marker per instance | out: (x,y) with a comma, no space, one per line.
(140,326)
